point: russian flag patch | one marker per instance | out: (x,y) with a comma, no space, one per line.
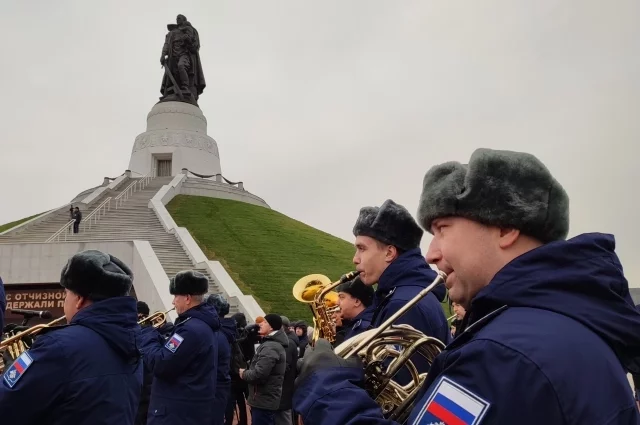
(173,343)
(17,369)
(452,404)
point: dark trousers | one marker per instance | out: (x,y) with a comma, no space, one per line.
(76,226)
(262,416)
(236,397)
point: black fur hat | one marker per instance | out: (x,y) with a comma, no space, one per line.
(218,302)
(358,290)
(189,282)
(96,276)
(499,188)
(391,224)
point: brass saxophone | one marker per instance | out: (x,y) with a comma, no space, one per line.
(317,291)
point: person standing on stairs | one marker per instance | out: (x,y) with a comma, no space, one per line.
(184,366)
(77,216)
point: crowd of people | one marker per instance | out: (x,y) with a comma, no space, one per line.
(544,328)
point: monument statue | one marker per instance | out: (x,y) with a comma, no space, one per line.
(183,79)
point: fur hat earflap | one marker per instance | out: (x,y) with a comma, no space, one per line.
(390,223)
(189,282)
(96,275)
(498,188)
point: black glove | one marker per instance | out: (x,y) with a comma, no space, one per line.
(321,356)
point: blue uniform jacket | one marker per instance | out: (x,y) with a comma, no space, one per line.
(226,336)
(86,373)
(401,281)
(184,368)
(360,323)
(548,341)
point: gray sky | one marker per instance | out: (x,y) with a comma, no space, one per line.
(324,107)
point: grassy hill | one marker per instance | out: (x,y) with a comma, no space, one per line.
(4,227)
(264,251)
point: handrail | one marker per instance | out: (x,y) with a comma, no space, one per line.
(104,206)
(63,229)
(133,187)
(240,185)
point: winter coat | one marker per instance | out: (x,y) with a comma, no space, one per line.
(360,323)
(302,345)
(226,337)
(266,372)
(548,341)
(88,372)
(290,372)
(401,281)
(184,368)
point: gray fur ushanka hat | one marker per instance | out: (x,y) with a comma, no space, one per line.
(390,223)
(96,275)
(499,188)
(189,282)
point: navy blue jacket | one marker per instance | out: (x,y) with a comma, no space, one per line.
(3,306)
(87,373)
(184,368)
(401,281)
(360,323)
(225,337)
(548,341)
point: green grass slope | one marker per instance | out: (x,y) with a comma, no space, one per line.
(264,251)
(7,226)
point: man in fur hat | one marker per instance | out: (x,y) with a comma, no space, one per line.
(90,370)
(550,329)
(388,253)
(355,298)
(184,366)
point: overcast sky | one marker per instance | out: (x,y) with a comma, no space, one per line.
(324,107)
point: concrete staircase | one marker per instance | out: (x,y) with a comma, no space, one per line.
(132,220)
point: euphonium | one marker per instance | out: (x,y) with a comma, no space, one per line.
(158,318)
(385,350)
(15,345)
(317,291)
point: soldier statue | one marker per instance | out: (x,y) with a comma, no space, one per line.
(183,79)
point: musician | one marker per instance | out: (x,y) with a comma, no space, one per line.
(388,252)
(184,366)
(551,329)
(355,298)
(226,338)
(86,372)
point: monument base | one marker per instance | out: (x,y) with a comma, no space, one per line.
(176,138)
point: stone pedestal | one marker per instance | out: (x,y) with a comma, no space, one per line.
(176,132)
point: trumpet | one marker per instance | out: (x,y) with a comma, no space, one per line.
(158,318)
(452,317)
(397,343)
(317,291)
(15,344)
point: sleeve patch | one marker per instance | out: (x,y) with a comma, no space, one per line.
(174,343)
(17,369)
(452,404)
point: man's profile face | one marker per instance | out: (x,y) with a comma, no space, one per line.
(348,305)
(464,250)
(181,302)
(180,20)
(371,259)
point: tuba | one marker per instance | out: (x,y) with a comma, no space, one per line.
(158,318)
(16,344)
(317,291)
(385,350)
